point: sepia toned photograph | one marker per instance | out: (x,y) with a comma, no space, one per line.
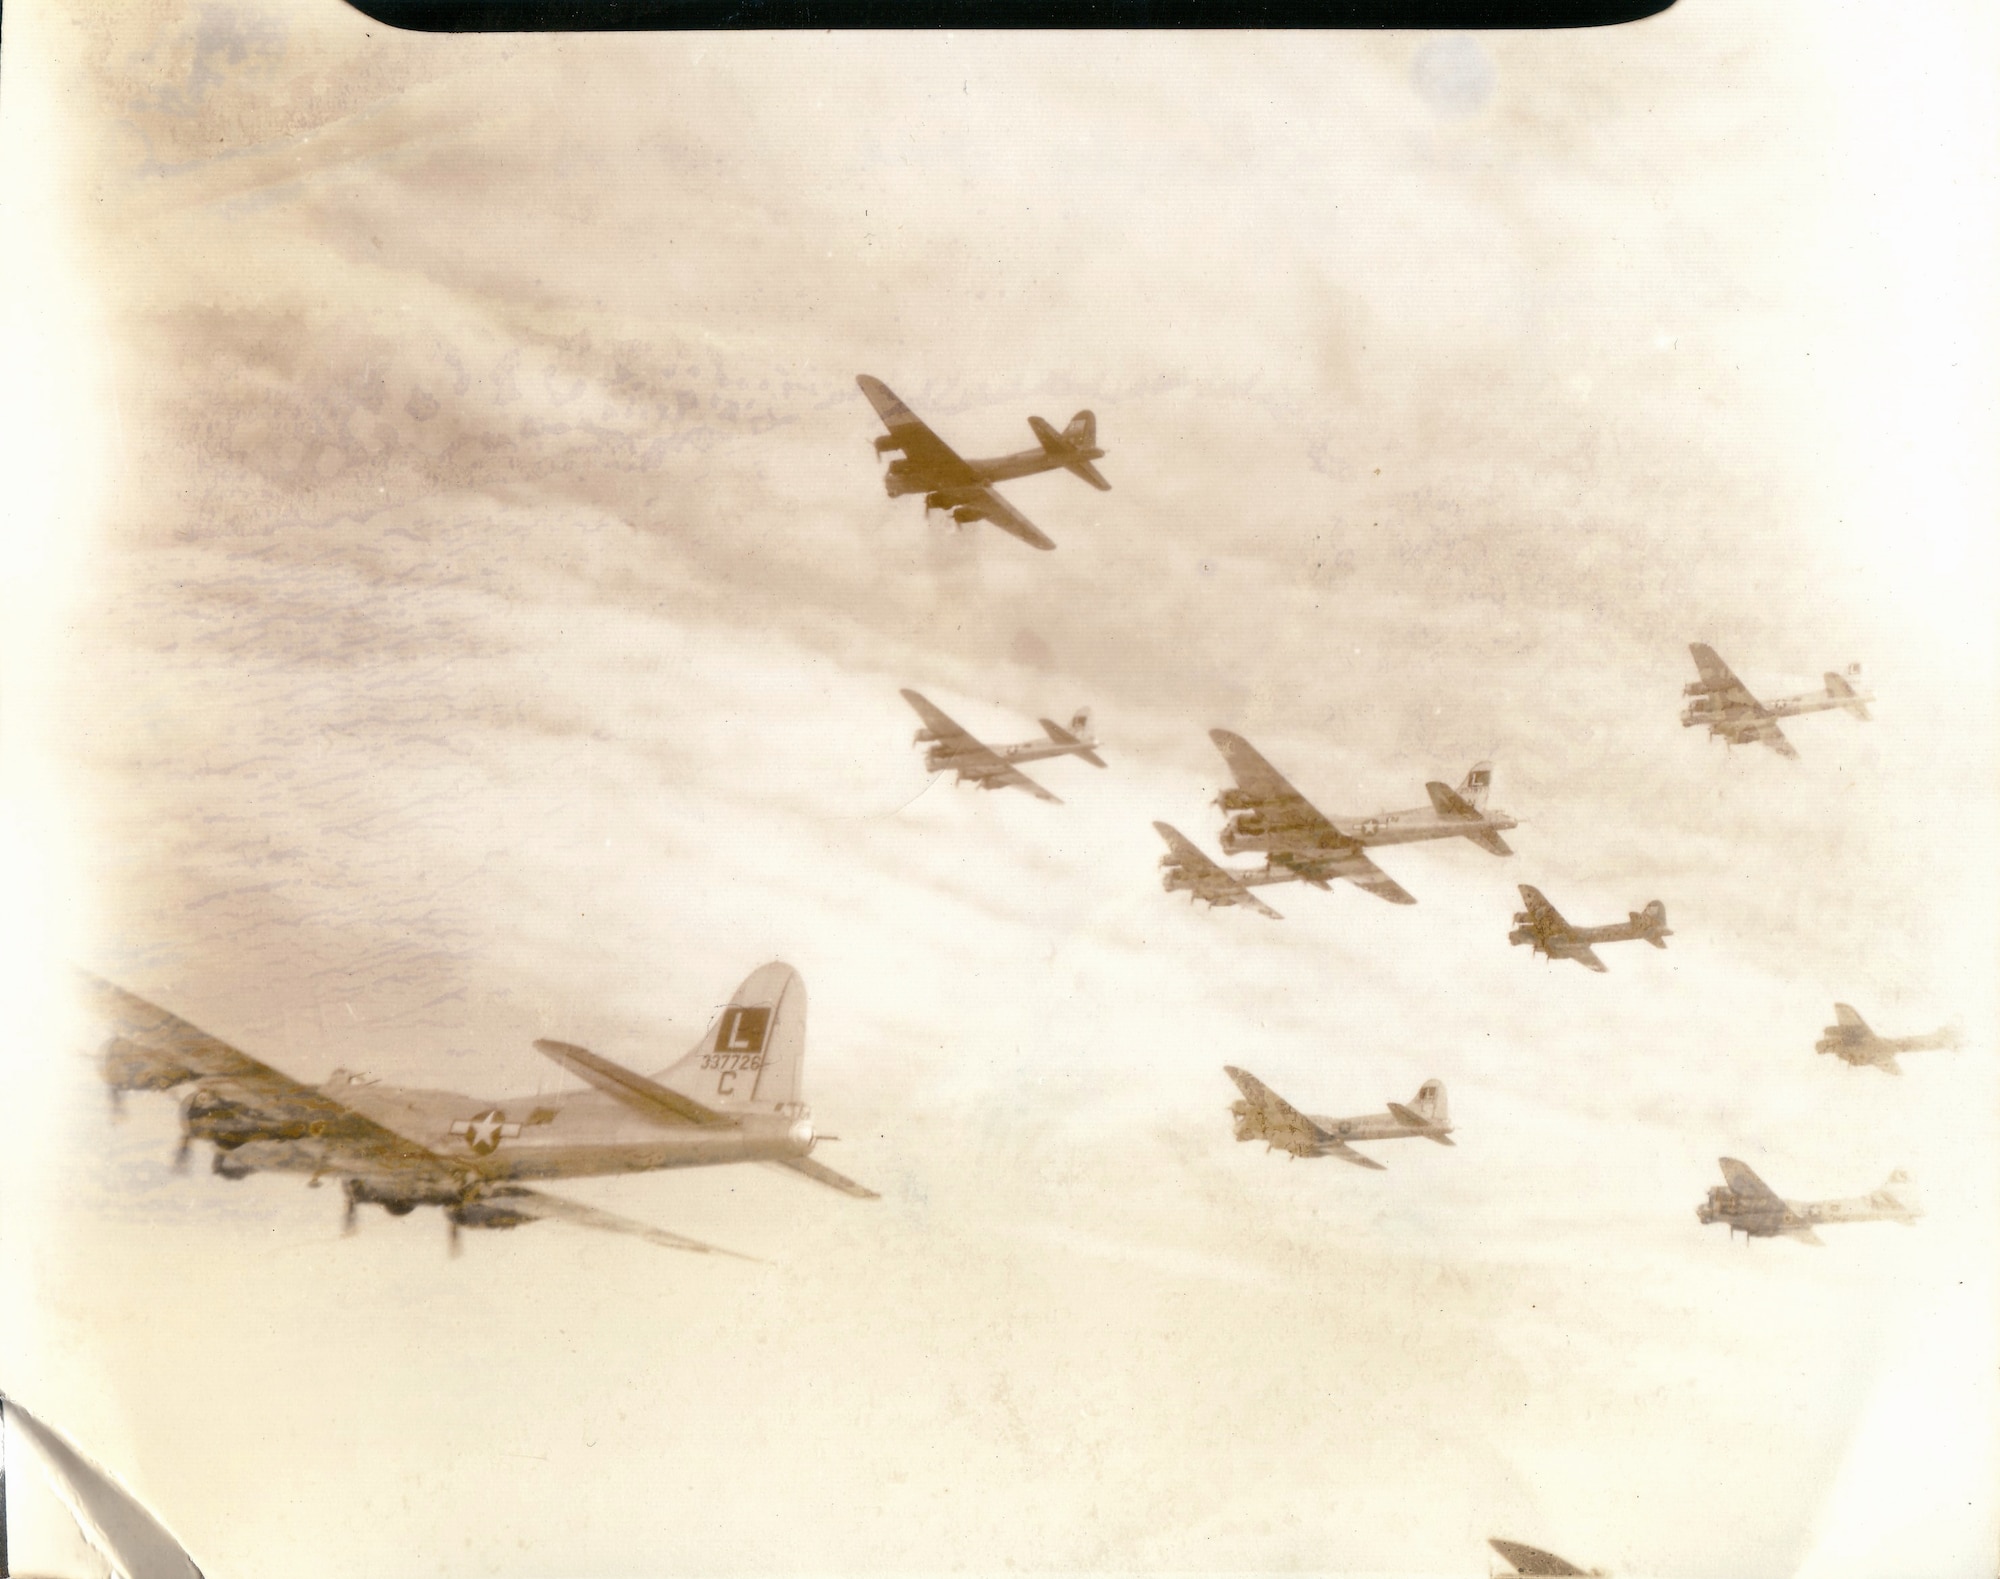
(1000,803)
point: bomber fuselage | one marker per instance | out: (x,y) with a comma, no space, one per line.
(905,475)
(1252,826)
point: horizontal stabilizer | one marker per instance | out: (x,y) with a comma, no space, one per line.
(655,1101)
(1072,449)
(1448,802)
(1063,737)
(819,1173)
(1490,841)
(1838,688)
(1417,1122)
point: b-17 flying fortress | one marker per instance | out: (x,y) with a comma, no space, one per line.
(1541,925)
(964,488)
(1850,1040)
(1725,704)
(953,749)
(736,1097)
(1750,1206)
(1261,1114)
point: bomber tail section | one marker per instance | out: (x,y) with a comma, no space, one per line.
(1897,1199)
(1651,924)
(1428,1113)
(1074,448)
(1841,689)
(1077,737)
(753,1056)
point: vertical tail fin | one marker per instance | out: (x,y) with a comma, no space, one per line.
(1837,686)
(753,1056)
(1430,1103)
(1082,430)
(1478,779)
(1651,923)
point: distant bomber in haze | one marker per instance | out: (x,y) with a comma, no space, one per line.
(1725,704)
(735,1098)
(1542,925)
(1531,1562)
(1851,1041)
(1746,1202)
(1264,1115)
(954,750)
(1302,844)
(947,481)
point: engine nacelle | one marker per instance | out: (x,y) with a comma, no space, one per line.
(887,442)
(1235,799)
(966,514)
(1704,687)
(924,737)
(126,1066)
(397,1197)
(488,1212)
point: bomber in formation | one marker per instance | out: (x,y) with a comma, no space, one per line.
(1732,714)
(1542,927)
(737,1097)
(1261,1114)
(953,749)
(1750,1206)
(1851,1041)
(964,488)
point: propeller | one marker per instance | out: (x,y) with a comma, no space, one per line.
(349,1218)
(456,1248)
(182,1153)
(117,1095)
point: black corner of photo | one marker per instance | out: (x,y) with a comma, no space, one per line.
(627,16)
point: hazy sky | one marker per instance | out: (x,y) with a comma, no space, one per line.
(467,611)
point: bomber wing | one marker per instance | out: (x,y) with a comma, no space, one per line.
(1743,1182)
(559,1209)
(981,761)
(1531,1562)
(1277,1114)
(1584,954)
(1346,1153)
(1766,732)
(1543,916)
(1262,782)
(1332,853)
(1213,884)
(157,1050)
(1353,864)
(987,505)
(940,464)
(1717,674)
